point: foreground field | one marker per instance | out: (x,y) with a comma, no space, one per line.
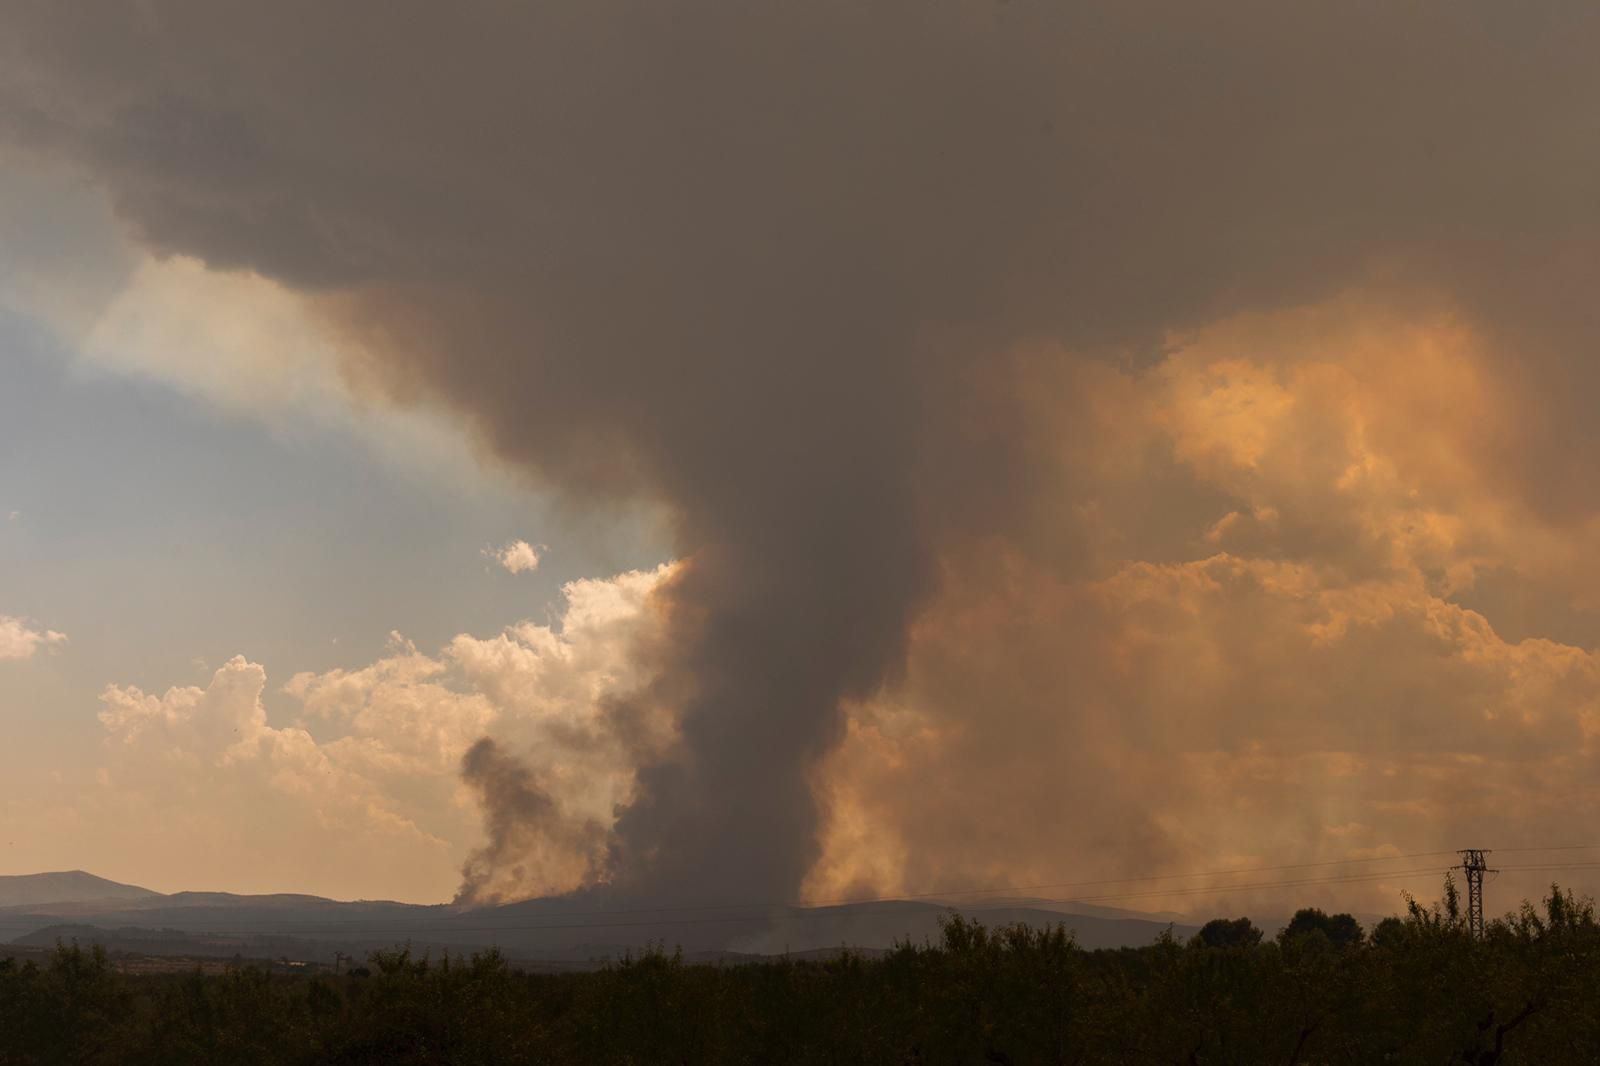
(1414,991)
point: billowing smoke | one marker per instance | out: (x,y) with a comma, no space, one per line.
(525,826)
(787,269)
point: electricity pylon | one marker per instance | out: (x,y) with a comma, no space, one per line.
(1474,864)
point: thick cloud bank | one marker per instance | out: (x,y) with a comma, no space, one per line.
(881,298)
(1272,660)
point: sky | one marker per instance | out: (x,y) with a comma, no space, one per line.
(798,454)
(158,526)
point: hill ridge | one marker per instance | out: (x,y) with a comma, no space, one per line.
(66,886)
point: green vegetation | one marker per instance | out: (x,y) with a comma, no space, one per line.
(1418,990)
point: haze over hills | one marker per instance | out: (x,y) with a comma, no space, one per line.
(45,907)
(69,886)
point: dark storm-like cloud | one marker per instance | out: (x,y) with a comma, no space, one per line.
(756,261)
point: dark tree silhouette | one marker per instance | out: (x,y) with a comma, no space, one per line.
(1423,991)
(1230,933)
(1342,930)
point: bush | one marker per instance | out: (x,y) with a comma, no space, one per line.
(1422,991)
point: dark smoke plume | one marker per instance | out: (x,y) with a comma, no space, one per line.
(524,824)
(763,263)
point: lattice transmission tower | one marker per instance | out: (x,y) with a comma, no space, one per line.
(1474,863)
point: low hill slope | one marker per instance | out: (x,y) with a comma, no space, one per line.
(70,886)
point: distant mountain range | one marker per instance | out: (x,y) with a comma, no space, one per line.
(71,886)
(37,909)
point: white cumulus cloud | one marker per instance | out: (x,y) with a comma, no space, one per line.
(20,639)
(368,768)
(519,556)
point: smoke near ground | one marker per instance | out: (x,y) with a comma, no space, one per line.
(877,298)
(524,824)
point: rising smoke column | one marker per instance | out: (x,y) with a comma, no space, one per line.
(761,264)
(523,822)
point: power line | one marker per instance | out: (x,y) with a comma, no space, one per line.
(816,915)
(1153,877)
(1560,866)
(810,915)
(766,908)
(1474,863)
(814,911)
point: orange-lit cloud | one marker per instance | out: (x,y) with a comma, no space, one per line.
(1273,658)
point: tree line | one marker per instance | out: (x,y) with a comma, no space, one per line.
(1418,989)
